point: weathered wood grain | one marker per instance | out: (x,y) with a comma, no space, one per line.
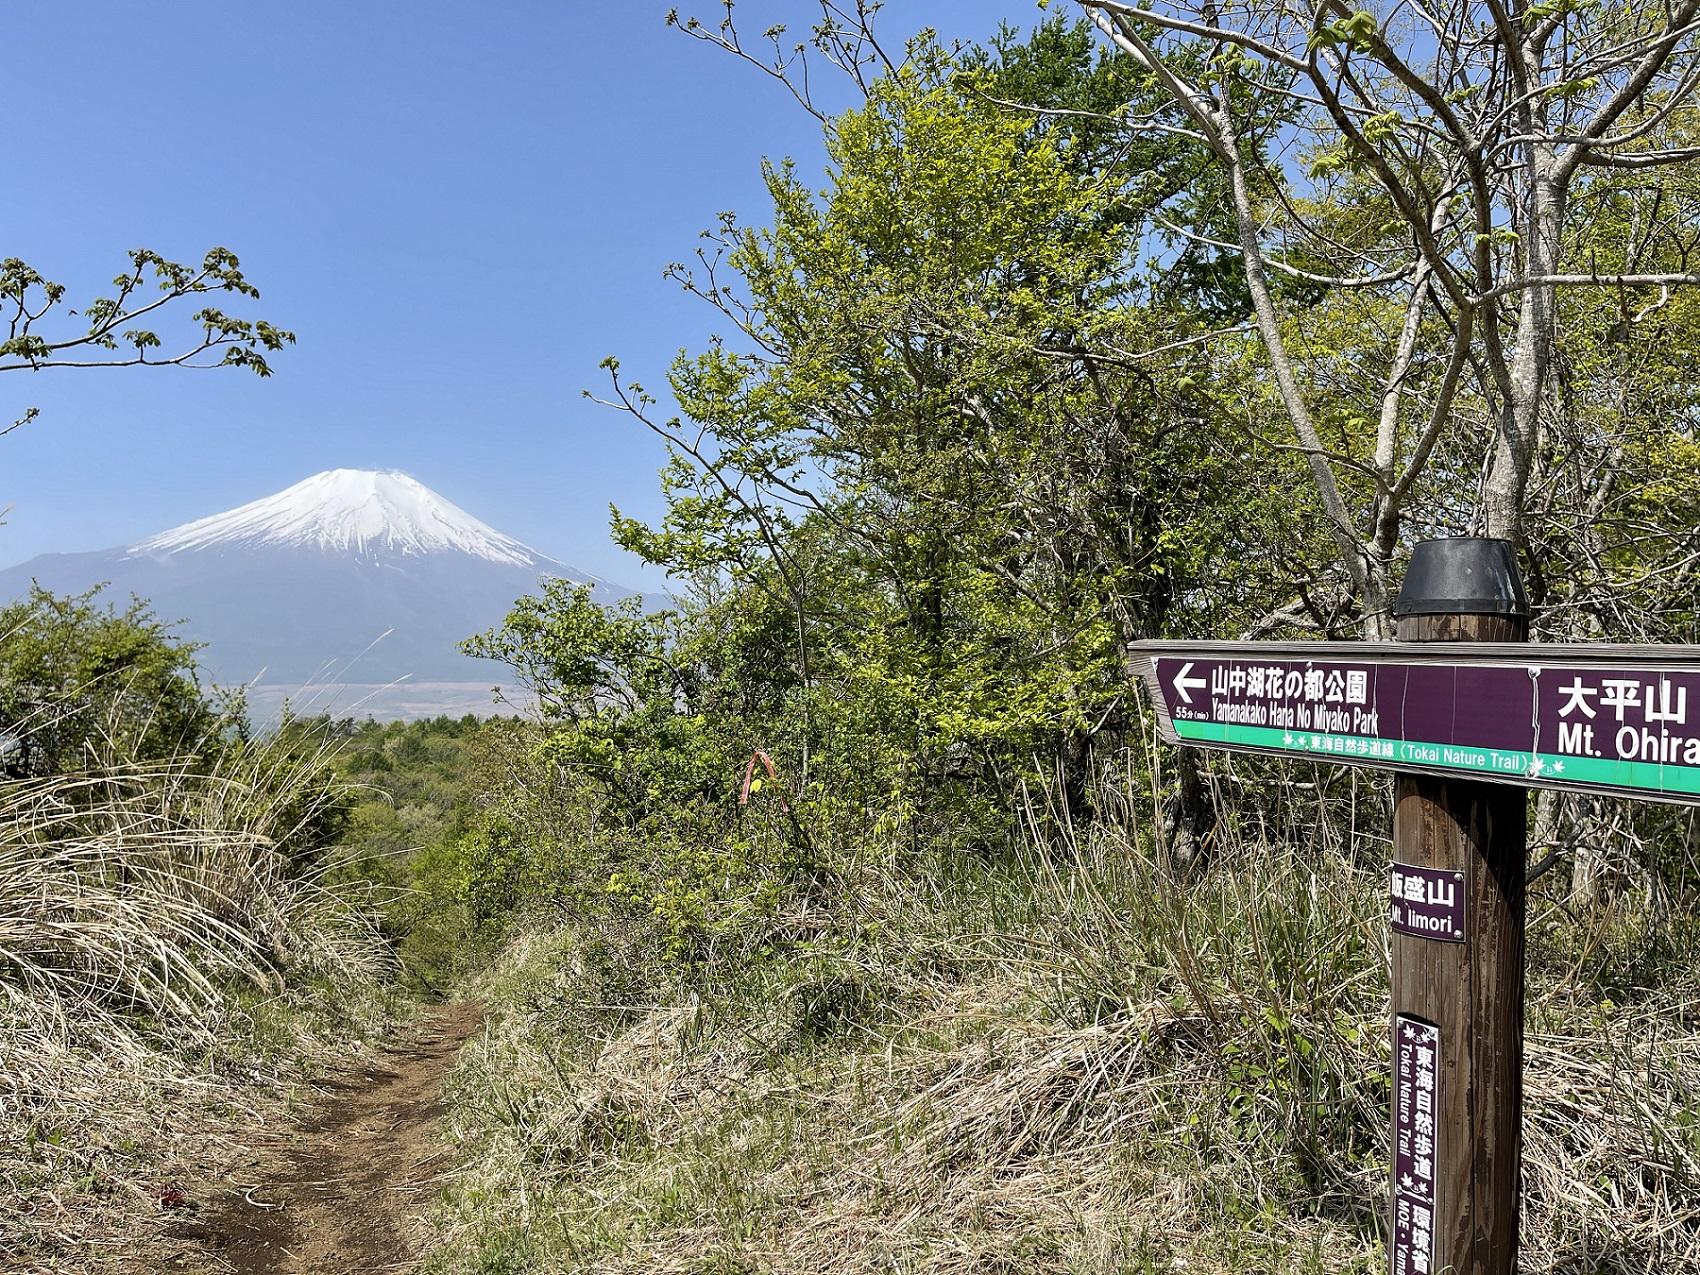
(1473,991)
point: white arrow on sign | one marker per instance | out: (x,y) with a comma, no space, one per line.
(1182,681)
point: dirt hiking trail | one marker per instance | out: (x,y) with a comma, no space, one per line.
(334,1193)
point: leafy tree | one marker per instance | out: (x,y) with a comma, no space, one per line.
(81,681)
(1077,92)
(1435,169)
(934,398)
(121,329)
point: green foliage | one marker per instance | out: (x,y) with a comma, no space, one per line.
(626,805)
(1076,92)
(409,832)
(1037,1063)
(921,514)
(29,298)
(962,441)
(1358,31)
(86,686)
(81,680)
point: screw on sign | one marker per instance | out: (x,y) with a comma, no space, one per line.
(1427,902)
(1469,716)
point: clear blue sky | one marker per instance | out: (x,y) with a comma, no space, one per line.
(460,209)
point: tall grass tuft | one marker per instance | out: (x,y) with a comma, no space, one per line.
(160,925)
(1069,1059)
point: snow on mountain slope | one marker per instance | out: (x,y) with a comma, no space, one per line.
(364,512)
(350,582)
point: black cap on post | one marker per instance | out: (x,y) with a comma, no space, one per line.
(1463,575)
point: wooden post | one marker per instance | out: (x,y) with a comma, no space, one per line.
(1458,994)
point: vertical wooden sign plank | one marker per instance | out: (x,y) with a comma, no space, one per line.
(1462,997)
(1416,1144)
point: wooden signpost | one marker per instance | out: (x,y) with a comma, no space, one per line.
(1467,728)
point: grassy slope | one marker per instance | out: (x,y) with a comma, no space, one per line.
(165,969)
(1075,1066)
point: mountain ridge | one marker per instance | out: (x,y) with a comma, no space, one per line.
(354,511)
(347,574)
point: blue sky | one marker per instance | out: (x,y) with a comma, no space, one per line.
(460,209)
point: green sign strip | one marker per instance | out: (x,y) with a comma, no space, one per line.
(1553,767)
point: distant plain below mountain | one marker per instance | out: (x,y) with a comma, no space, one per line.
(346,593)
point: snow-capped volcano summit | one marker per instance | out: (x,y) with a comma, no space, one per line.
(349,591)
(365,512)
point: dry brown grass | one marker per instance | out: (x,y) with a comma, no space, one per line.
(1075,1063)
(161,961)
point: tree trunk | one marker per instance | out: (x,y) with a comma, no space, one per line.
(1190,819)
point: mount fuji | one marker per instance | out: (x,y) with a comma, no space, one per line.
(347,592)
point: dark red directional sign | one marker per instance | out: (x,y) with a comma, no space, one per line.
(1427,902)
(1603,719)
